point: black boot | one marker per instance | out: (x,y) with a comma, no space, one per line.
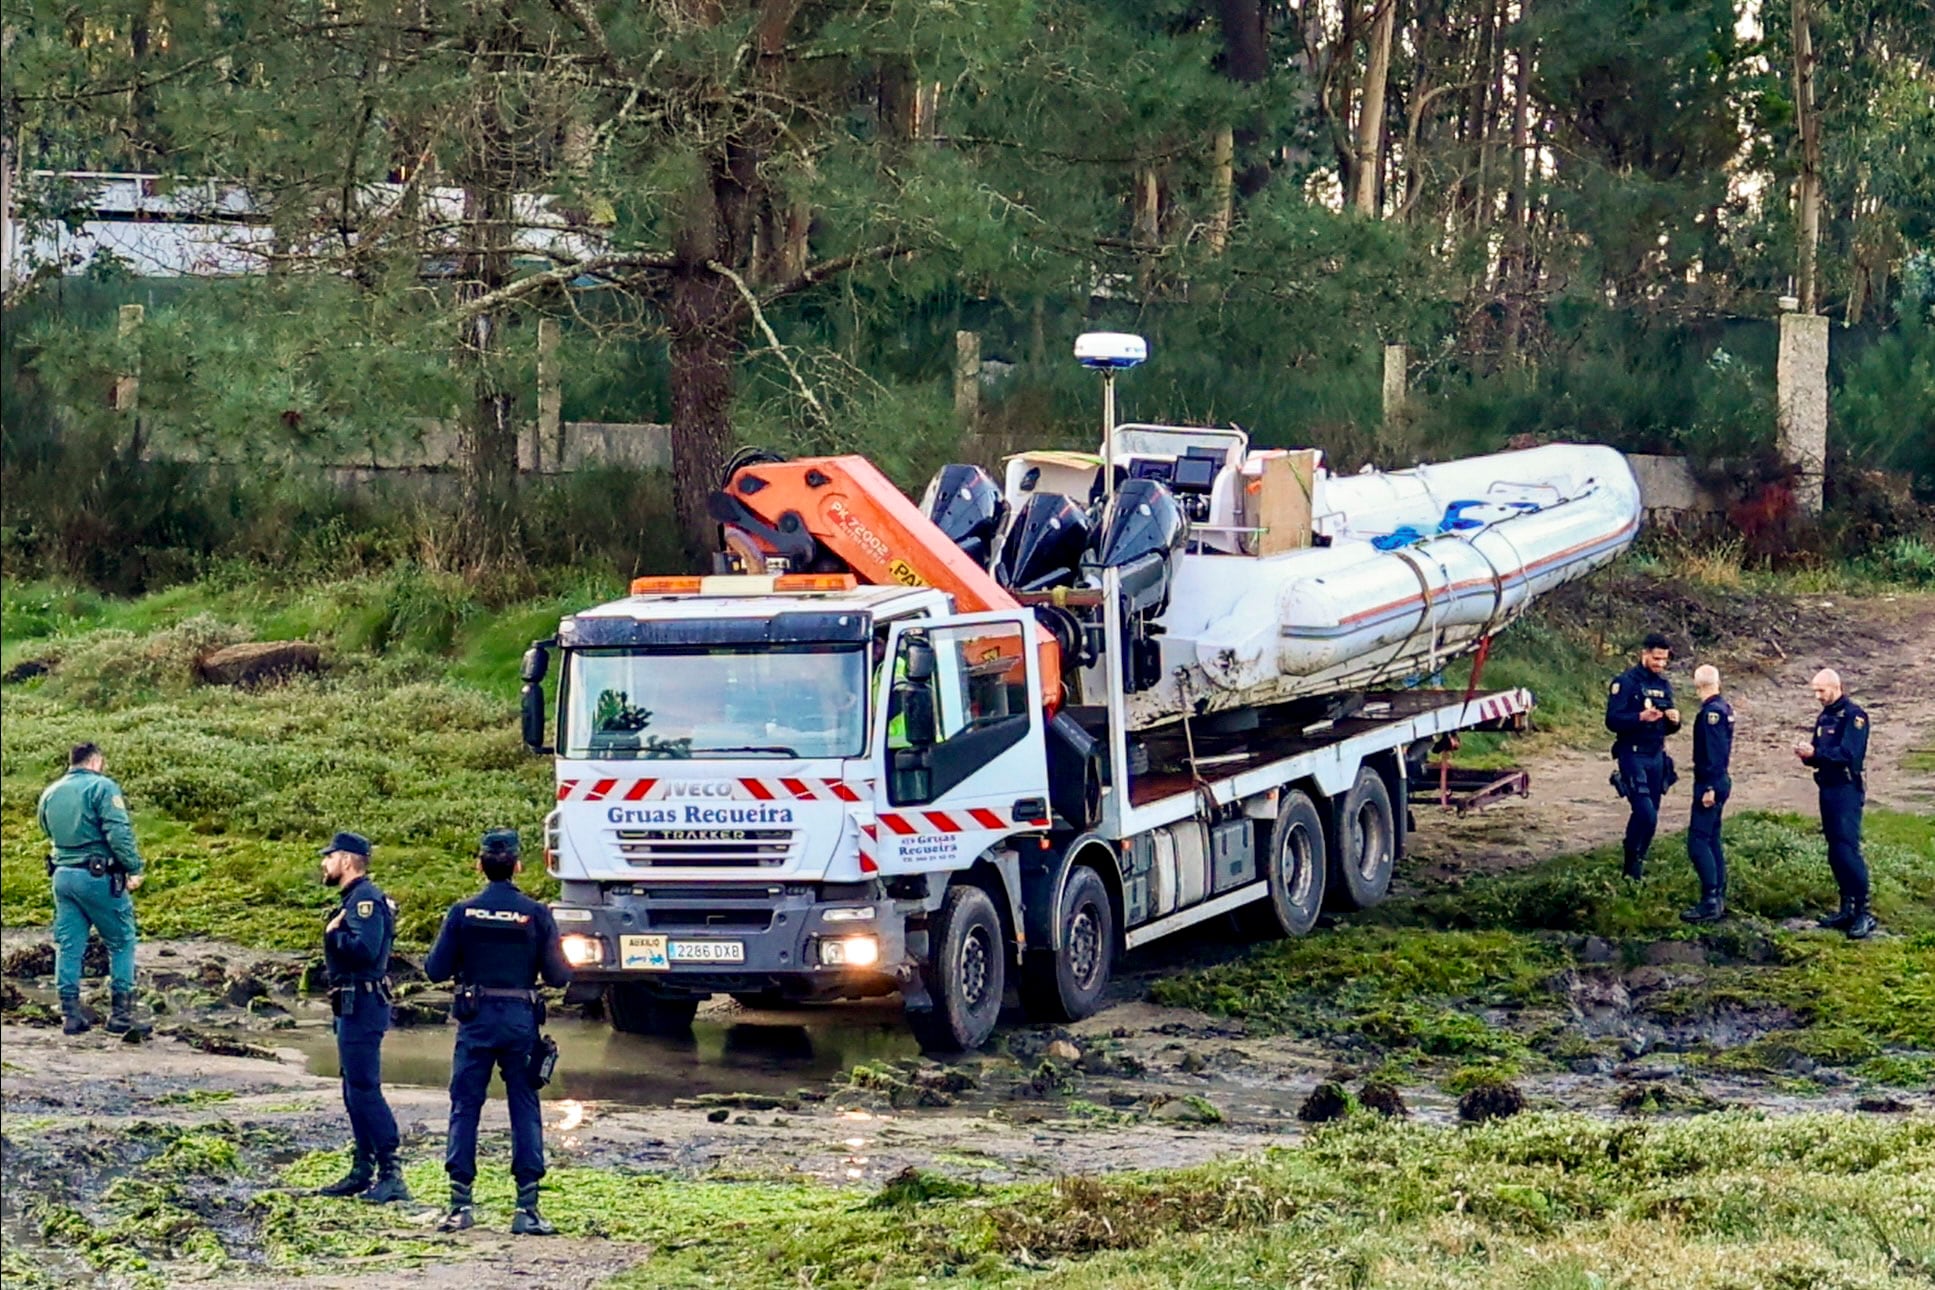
(353,1183)
(1840,919)
(1863,924)
(527,1221)
(1711,909)
(121,1016)
(1635,867)
(73,1017)
(389,1186)
(461,1216)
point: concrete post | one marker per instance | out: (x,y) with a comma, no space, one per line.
(1802,380)
(1395,359)
(967,378)
(550,404)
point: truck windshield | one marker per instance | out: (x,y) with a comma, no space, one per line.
(792,701)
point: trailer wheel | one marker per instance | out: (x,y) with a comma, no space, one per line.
(966,976)
(1296,872)
(635,1009)
(1068,985)
(1366,851)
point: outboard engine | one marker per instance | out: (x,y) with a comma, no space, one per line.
(1044,544)
(1143,532)
(965,503)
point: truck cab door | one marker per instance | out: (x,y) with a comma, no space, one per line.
(959,743)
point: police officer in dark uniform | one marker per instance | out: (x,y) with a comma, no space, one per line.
(496,946)
(1712,784)
(1640,711)
(356,950)
(1838,753)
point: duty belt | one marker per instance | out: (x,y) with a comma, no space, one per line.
(368,987)
(497,992)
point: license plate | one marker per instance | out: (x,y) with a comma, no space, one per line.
(659,953)
(708,951)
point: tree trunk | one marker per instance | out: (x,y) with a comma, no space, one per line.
(1808,119)
(1512,274)
(1148,222)
(1222,188)
(704,318)
(488,434)
(1478,124)
(488,438)
(1366,167)
(1246,60)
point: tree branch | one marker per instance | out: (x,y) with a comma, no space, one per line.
(595,267)
(814,274)
(772,339)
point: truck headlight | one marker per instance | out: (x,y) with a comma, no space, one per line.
(565,914)
(850,951)
(579,951)
(849,914)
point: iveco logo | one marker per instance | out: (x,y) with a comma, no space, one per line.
(699,788)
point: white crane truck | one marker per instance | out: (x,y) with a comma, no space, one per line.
(868,766)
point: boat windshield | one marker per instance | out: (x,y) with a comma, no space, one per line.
(786,701)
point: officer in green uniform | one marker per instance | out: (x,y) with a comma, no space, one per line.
(94,865)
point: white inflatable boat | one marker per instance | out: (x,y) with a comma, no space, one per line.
(1386,577)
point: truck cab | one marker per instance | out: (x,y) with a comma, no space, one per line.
(763,783)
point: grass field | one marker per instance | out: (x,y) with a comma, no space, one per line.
(1542,1202)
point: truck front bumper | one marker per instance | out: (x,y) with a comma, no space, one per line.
(724,941)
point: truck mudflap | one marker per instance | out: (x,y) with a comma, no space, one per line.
(707,941)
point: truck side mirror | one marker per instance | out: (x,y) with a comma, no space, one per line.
(916,705)
(533,715)
(919,659)
(537,662)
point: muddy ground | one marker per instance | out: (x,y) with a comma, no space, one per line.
(838,1095)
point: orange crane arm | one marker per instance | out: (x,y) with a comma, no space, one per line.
(852,510)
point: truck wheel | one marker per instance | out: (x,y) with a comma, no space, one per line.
(966,976)
(635,1009)
(1068,985)
(1296,870)
(1366,852)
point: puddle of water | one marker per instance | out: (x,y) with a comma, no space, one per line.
(771,1053)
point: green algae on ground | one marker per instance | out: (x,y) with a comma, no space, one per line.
(1479,973)
(1398,988)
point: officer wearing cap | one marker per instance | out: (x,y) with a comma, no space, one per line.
(1640,712)
(94,864)
(1838,754)
(496,946)
(356,950)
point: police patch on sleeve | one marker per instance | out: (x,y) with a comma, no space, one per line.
(120,802)
(1860,722)
(364,908)
(1615,687)
(391,902)
(1713,718)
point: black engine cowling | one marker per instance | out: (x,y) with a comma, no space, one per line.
(1044,544)
(966,504)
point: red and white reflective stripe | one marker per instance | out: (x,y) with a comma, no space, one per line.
(800,790)
(869,846)
(602,790)
(1496,708)
(909,824)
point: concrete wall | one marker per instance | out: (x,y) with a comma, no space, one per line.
(1669,490)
